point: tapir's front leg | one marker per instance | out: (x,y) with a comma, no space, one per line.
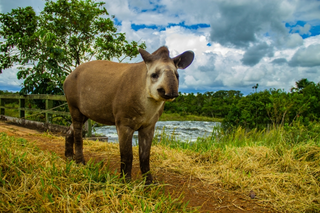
(125,134)
(145,140)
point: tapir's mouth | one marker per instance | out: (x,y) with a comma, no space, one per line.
(167,95)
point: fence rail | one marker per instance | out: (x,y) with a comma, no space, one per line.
(48,111)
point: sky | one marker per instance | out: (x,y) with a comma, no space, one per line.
(237,43)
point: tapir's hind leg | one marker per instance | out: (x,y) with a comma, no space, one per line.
(69,143)
(74,136)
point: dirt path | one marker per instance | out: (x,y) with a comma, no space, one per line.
(198,193)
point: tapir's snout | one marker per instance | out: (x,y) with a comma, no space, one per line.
(167,95)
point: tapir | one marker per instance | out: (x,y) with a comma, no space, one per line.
(130,96)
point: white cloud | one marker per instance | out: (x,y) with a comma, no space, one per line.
(305,30)
(293,40)
(306,56)
(9,81)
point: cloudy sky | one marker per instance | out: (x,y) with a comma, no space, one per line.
(237,43)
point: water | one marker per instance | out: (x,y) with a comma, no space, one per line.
(183,130)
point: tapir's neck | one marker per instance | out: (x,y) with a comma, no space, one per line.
(150,105)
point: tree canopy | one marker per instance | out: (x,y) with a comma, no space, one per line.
(272,107)
(48,46)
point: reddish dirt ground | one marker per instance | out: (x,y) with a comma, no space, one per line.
(199,194)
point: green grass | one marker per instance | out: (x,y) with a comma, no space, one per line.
(178,117)
(287,137)
(31,180)
(281,165)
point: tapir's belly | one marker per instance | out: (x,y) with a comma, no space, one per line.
(97,106)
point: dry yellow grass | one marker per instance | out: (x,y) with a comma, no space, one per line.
(286,179)
(33,180)
(287,183)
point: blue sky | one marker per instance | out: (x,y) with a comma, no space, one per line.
(237,43)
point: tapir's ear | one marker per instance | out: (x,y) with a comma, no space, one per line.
(147,57)
(184,60)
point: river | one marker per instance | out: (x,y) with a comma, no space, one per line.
(183,130)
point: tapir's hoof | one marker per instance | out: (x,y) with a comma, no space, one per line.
(69,157)
(149,179)
(80,160)
(83,162)
(148,182)
(125,178)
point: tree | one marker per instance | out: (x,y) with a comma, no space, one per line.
(65,34)
(255,87)
(301,84)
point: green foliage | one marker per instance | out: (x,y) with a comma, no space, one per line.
(275,107)
(264,109)
(6,92)
(65,34)
(210,104)
(285,137)
(176,117)
(301,84)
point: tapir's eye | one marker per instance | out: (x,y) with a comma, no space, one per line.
(154,75)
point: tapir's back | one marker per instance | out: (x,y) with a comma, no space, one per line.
(93,87)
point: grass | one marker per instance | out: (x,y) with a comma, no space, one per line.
(178,117)
(281,165)
(31,180)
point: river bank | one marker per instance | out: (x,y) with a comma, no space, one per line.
(177,117)
(187,131)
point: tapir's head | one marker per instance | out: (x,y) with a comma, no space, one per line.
(162,74)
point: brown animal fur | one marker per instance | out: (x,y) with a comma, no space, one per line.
(130,96)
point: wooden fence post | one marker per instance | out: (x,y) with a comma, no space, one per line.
(49,105)
(2,110)
(88,128)
(22,102)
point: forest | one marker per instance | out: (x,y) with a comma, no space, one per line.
(255,110)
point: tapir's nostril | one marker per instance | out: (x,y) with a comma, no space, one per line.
(165,95)
(161,92)
(172,95)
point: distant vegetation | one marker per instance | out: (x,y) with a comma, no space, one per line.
(271,107)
